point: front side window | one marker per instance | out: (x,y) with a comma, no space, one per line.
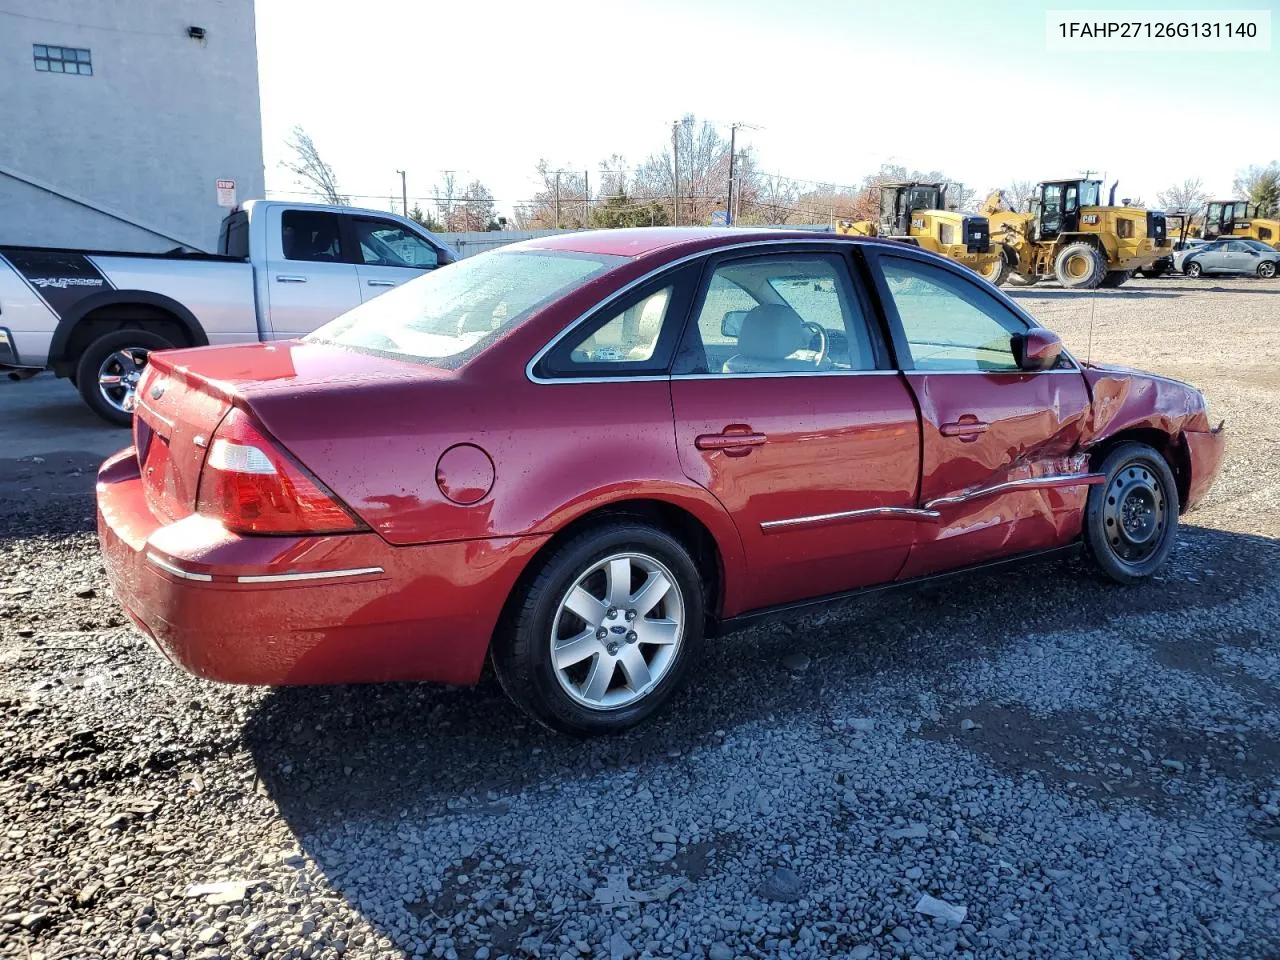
(950,324)
(784,314)
(310,235)
(386,244)
(51,59)
(447,312)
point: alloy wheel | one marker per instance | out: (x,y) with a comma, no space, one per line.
(1267,270)
(1134,513)
(118,376)
(617,631)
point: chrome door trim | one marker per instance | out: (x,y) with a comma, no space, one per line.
(1054,482)
(314,575)
(904,513)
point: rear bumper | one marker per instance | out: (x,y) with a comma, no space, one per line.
(301,610)
(1205,451)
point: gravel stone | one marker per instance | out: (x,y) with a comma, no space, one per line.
(410,820)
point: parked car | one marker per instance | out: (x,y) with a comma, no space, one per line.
(579,455)
(282,269)
(1233,255)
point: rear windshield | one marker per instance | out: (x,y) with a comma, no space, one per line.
(450,310)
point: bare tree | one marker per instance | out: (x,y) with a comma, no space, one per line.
(309,169)
(446,196)
(1018,194)
(1188,195)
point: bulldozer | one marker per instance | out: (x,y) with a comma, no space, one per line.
(917,213)
(1070,235)
(1239,218)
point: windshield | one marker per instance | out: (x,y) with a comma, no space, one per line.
(1089,193)
(447,311)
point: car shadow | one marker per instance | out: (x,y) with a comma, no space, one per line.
(331,754)
(1028,293)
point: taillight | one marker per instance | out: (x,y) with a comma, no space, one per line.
(251,485)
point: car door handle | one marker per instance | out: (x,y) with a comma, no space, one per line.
(965,429)
(735,443)
(289,278)
(381,283)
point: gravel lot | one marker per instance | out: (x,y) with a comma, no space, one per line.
(1072,768)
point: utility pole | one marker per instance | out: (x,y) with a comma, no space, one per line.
(404,195)
(557,199)
(730,216)
(675,172)
(732,155)
(586,199)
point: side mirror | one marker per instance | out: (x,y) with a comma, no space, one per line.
(731,324)
(1037,349)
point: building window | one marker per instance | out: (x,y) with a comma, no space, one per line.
(62,60)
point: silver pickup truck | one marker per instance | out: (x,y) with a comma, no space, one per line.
(282,269)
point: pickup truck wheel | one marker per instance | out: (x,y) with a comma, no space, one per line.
(109,368)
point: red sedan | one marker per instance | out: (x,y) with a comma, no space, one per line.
(581,454)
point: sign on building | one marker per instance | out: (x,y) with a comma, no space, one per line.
(226,193)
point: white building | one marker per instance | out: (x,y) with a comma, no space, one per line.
(118,117)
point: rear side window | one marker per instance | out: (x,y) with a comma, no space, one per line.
(233,237)
(950,325)
(310,235)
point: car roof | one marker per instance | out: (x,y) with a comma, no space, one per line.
(640,241)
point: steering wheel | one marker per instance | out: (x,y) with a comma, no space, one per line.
(824,342)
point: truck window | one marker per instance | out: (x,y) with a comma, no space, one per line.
(386,244)
(233,237)
(310,235)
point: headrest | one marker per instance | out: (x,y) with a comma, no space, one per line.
(771,331)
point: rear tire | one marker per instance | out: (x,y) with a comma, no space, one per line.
(570,607)
(1193,270)
(1267,270)
(1079,266)
(120,354)
(1131,520)
(1115,278)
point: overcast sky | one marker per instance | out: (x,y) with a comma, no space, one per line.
(837,87)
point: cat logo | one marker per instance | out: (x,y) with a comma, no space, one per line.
(917,223)
(1090,218)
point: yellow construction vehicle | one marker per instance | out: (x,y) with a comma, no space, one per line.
(1069,234)
(1239,218)
(1180,226)
(917,213)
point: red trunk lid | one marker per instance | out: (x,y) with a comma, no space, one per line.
(184,394)
(174,419)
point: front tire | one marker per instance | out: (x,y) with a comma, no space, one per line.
(604,632)
(1193,270)
(1079,266)
(1131,520)
(996,273)
(1267,270)
(109,368)
(1115,278)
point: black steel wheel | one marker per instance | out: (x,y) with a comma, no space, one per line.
(1132,519)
